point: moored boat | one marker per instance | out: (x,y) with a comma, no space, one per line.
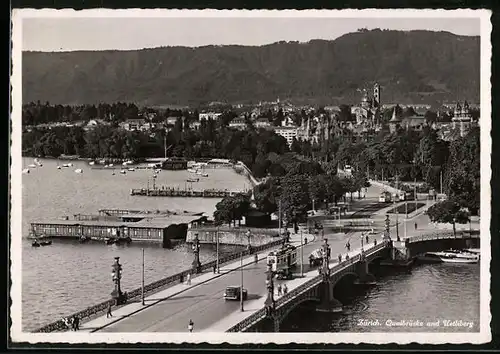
(92,163)
(123,172)
(79,170)
(448,257)
(131,169)
(190,170)
(32,165)
(193,180)
(26,170)
(204,174)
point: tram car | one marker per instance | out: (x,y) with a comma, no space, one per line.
(283,260)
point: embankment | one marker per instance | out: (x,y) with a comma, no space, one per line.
(233,236)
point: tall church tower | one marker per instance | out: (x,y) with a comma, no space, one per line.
(376,95)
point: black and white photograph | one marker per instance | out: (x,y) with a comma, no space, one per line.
(250,176)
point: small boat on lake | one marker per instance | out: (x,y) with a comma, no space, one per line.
(123,172)
(448,257)
(190,170)
(193,180)
(32,165)
(58,167)
(131,169)
(92,163)
(204,174)
(45,243)
(26,170)
(79,170)
(66,165)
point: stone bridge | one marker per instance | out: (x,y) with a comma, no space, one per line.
(322,289)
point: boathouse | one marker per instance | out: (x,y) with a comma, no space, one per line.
(152,226)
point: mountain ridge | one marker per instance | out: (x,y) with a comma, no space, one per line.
(416,66)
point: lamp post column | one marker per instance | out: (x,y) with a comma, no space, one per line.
(196,249)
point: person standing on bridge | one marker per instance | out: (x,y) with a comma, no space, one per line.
(340,258)
(279,289)
(348,246)
(367,239)
(188,279)
(375,242)
(415,226)
(190,326)
(347,257)
(285,289)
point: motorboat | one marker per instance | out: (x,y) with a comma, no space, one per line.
(204,174)
(123,172)
(131,169)
(26,170)
(110,165)
(464,253)
(190,170)
(92,163)
(32,165)
(66,165)
(79,170)
(448,257)
(193,180)
(58,167)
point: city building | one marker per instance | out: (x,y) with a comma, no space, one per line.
(209,115)
(289,132)
(462,118)
(394,123)
(368,112)
(136,124)
(238,123)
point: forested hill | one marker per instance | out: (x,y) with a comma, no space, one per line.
(414,66)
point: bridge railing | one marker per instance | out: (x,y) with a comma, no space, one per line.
(443,236)
(258,315)
(101,307)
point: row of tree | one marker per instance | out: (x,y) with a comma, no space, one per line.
(300,185)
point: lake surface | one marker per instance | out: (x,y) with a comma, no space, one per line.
(66,277)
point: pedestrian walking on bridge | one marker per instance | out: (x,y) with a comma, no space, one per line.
(279,289)
(348,246)
(415,226)
(347,257)
(375,242)
(285,289)
(109,314)
(340,258)
(190,326)
(367,239)
(188,279)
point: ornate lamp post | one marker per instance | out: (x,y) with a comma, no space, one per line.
(387,234)
(116,275)
(249,246)
(196,249)
(269,303)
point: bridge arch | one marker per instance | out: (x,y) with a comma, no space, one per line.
(343,277)
(290,308)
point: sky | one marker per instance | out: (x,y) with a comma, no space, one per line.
(123,33)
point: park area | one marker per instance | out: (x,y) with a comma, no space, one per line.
(406,208)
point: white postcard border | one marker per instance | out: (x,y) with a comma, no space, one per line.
(17,335)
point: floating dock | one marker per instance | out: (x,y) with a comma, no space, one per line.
(154,226)
(186,193)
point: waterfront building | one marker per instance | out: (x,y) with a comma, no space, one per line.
(209,115)
(136,124)
(238,123)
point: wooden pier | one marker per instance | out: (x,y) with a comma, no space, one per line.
(185,193)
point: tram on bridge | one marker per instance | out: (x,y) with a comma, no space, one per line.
(283,260)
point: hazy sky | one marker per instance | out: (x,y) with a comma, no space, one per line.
(56,34)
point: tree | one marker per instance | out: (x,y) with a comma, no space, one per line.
(294,195)
(232,208)
(448,211)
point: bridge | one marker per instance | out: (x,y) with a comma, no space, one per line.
(170,309)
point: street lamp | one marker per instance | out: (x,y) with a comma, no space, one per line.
(196,249)
(269,303)
(116,275)
(326,259)
(217,247)
(387,233)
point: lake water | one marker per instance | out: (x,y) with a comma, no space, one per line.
(67,276)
